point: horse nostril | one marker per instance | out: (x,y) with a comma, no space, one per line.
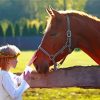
(37,67)
(46,70)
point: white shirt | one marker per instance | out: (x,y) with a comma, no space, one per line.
(12,86)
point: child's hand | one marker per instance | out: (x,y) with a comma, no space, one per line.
(27,77)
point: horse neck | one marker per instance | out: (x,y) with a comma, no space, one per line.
(88,38)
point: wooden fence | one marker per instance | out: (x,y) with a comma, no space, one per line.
(77,76)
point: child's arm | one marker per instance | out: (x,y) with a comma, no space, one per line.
(9,86)
(28,68)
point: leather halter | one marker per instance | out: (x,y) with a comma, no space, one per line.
(67,45)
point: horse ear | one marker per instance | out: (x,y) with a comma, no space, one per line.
(49,11)
(54,11)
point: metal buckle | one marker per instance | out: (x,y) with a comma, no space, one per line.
(68,33)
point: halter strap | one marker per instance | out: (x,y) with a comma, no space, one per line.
(67,44)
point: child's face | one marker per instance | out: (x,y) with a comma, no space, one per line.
(13,62)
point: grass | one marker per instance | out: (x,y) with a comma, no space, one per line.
(76,58)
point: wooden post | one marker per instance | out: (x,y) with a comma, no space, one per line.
(77,76)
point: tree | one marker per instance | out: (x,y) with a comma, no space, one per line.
(32,9)
(33,30)
(25,31)
(9,31)
(17,30)
(40,30)
(1,32)
(64,2)
(93,7)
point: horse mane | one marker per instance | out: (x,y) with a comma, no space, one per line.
(80,13)
(90,19)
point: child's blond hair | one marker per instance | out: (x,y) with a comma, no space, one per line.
(7,52)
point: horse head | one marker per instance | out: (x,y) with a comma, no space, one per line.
(64,32)
(56,43)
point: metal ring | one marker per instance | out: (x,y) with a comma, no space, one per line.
(68,33)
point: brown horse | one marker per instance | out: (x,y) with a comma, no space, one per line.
(65,31)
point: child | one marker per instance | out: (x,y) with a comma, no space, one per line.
(11,85)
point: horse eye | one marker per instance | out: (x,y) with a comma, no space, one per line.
(53,34)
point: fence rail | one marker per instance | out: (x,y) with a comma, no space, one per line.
(78,76)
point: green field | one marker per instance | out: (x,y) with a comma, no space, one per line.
(76,58)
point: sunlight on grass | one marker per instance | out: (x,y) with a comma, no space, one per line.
(78,58)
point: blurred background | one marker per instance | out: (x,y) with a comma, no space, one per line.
(22,22)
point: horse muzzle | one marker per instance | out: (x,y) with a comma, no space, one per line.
(42,67)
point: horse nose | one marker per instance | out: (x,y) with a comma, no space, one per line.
(42,69)
(37,67)
(41,65)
